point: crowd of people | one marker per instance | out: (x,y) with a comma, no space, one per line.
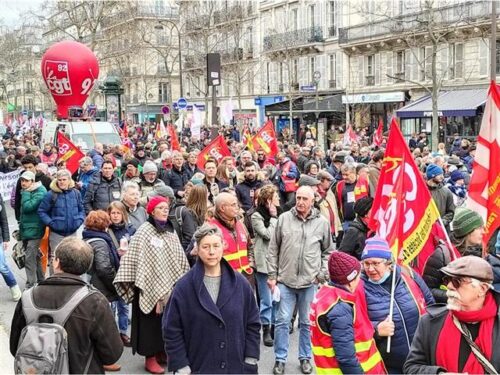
(210,258)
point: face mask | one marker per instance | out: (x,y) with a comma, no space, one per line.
(382,279)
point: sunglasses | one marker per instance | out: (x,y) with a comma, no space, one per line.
(455,281)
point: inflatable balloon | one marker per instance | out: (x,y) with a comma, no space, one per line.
(70,70)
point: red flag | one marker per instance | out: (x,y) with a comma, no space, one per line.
(216,149)
(125,131)
(174,141)
(484,188)
(247,138)
(265,140)
(350,136)
(69,153)
(378,136)
(403,210)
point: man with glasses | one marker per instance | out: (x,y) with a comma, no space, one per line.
(464,336)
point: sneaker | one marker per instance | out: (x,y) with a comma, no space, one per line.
(16,293)
(279,368)
(305,366)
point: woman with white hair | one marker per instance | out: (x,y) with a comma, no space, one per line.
(61,210)
(130,198)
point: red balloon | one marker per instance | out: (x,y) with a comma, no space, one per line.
(70,70)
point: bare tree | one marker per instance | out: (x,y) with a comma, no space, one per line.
(426,32)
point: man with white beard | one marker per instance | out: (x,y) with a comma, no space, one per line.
(464,336)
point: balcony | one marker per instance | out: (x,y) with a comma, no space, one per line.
(231,56)
(293,39)
(126,15)
(461,14)
(332,31)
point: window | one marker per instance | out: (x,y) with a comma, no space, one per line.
(369,70)
(295,71)
(400,62)
(312,21)
(29,67)
(295,20)
(281,73)
(483,57)
(456,56)
(163,92)
(425,63)
(332,68)
(332,29)
(31,107)
(29,86)
(268,67)
(312,68)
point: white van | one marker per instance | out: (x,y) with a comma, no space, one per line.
(84,134)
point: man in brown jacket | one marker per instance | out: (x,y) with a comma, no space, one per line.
(91,327)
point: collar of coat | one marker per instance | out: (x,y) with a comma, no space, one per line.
(226,292)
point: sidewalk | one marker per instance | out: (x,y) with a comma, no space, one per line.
(6,360)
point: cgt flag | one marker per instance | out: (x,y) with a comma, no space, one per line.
(378,136)
(403,211)
(217,149)
(69,153)
(265,140)
(174,141)
(484,188)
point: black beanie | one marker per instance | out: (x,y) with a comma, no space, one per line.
(362,206)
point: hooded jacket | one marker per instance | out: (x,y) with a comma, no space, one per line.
(299,249)
(31,226)
(62,211)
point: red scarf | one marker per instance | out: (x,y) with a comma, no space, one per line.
(448,345)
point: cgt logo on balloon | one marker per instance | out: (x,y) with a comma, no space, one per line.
(57,77)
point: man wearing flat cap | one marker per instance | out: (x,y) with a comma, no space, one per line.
(464,336)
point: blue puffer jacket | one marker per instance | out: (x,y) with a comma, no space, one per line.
(63,214)
(405,316)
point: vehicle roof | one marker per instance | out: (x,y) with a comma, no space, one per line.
(82,127)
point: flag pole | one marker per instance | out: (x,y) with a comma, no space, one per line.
(391,305)
(448,241)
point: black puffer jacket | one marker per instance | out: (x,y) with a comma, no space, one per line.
(444,202)
(101,192)
(353,241)
(91,327)
(433,276)
(176,179)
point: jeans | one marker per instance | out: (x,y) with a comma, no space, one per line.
(7,274)
(121,308)
(54,240)
(267,307)
(33,262)
(290,297)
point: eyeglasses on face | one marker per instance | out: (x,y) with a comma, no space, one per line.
(456,281)
(162,208)
(367,265)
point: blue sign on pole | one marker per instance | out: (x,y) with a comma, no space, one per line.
(308,88)
(182,103)
(258,101)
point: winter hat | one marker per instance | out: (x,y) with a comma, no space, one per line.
(456,175)
(153,202)
(149,166)
(28,176)
(433,170)
(465,221)
(376,247)
(134,162)
(362,206)
(343,268)
(306,180)
(162,191)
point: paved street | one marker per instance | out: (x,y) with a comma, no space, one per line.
(130,364)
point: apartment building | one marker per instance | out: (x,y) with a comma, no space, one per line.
(390,53)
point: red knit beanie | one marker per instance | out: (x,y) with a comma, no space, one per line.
(343,268)
(153,202)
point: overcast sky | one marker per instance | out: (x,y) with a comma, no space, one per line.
(11,12)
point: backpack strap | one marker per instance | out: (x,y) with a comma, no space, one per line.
(33,313)
(178,215)
(113,238)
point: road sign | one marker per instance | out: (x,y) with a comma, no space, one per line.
(165,109)
(308,88)
(182,103)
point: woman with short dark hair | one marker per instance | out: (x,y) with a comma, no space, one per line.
(212,307)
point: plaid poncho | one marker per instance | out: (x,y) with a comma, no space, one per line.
(153,263)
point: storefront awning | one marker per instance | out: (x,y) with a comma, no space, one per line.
(450,103)
(303,105)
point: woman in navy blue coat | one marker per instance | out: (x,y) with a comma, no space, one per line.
(411,296)
(212,323)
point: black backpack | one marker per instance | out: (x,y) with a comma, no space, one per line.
(175,217)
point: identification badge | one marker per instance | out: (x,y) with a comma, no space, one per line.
(350,197)
(156,242)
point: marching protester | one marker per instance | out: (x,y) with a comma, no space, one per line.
(130,196)
(103,189)
(297,262)
(411,296)
(341,332)
(148,271)
(465,332)
(212,322)
(5,270)
(61,210)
